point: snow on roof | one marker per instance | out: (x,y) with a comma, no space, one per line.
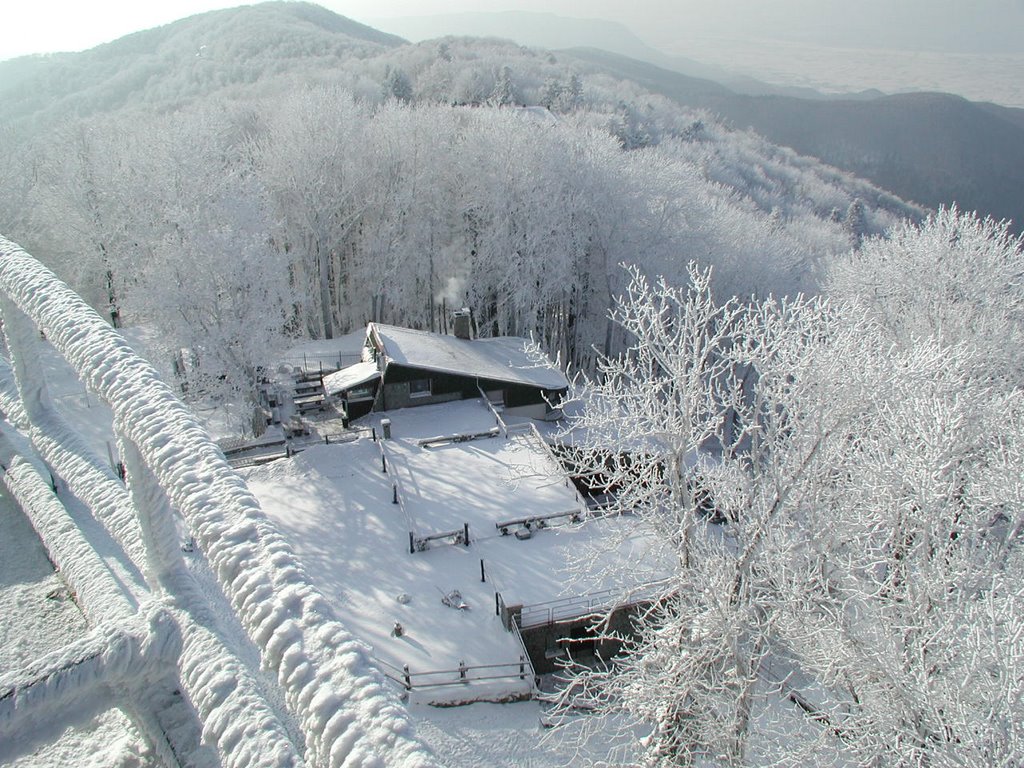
(504,358)
(349,377)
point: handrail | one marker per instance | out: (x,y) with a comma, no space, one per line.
(231,445)
(461,675)
(460,437)
(398,496)
(349,435)
(540,521)
(494,411)
(568,608)
(515,629)
(552,611)
(286,617)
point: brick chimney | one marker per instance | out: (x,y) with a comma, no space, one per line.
(461,323)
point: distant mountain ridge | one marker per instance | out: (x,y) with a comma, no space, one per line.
(931,148)
(111,75)
(554,32)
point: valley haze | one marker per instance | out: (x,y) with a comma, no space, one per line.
(971,49)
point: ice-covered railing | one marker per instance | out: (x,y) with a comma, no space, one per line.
(466,675)
(346,713)
(576,607)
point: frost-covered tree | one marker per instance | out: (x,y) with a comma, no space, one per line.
(631,128)
(855,223)
(316,182)
(505,93)
(387,210)
(956,277)
(909,567)
(222,300)
(214,284)
(681,428)
(409,241)
(841,518)
(87,191)
(396,85)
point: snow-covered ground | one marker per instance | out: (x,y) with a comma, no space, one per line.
(38,616)
(336,506)
(511,736)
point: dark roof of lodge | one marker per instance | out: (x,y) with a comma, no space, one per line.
(506,359)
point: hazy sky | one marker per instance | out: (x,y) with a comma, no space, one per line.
(39,26)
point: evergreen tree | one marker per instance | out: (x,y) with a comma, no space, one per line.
(855,223)
(397,85)
(504,93)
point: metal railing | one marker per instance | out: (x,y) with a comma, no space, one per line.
(322,363)
(494,411)
(538,522)
(566,609)
(464,674)
(578,606)
(397,494)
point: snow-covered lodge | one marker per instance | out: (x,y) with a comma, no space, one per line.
(406,367)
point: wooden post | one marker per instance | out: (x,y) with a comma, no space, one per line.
(483,576)
(412,546)
(407,676)
(394,493)
(465,534)
(522,667)
(383,464)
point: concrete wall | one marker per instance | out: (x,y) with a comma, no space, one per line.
(537,411)
(546,643)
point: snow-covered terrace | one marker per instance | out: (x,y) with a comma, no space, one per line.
(484,734)
(324,354)
(337,508)
(482,482)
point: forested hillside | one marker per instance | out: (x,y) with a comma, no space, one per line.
(249,176)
